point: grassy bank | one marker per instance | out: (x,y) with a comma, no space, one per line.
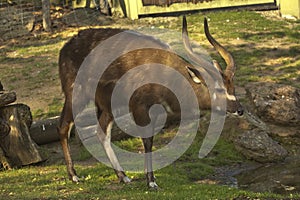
(184,179)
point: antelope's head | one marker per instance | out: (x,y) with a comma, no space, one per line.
(227,74)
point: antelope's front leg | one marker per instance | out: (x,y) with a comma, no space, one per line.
(148,142)
(106,123)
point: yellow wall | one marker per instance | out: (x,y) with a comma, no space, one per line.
(135,7)
(290,7)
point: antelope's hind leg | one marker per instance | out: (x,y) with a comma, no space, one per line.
(142,119)
(106,123)
(148,142)
(64,128)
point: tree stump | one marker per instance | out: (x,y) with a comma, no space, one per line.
(17,145)
(4,131)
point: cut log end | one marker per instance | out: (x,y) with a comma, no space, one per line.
(7,97)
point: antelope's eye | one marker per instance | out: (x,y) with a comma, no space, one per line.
(220,90)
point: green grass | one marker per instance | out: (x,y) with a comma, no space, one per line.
(50,183)
(180,180)
(186,178)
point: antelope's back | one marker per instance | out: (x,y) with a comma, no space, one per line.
(76,49)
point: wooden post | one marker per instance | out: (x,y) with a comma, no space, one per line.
(46,15)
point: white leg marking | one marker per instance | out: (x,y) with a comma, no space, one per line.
(70,129)
(75,179)
(109,151)
(126,179)
(153,185)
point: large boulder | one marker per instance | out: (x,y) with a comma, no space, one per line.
(257,145)
(276,103)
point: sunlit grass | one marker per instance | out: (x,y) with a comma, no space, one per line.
(184,179)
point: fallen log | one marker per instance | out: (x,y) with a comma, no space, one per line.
(45,131)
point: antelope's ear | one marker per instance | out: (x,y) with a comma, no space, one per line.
(194,74)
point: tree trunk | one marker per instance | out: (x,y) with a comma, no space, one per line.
(46,15)
(16,143)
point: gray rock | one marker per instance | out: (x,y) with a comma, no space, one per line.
(257,145)
(276,103)
(281,178)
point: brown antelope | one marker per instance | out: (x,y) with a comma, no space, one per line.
(74,52)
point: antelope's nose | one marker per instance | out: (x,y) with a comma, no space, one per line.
(240,111)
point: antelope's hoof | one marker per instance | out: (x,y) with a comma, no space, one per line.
(126,180)
(75,179)
(153,185)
